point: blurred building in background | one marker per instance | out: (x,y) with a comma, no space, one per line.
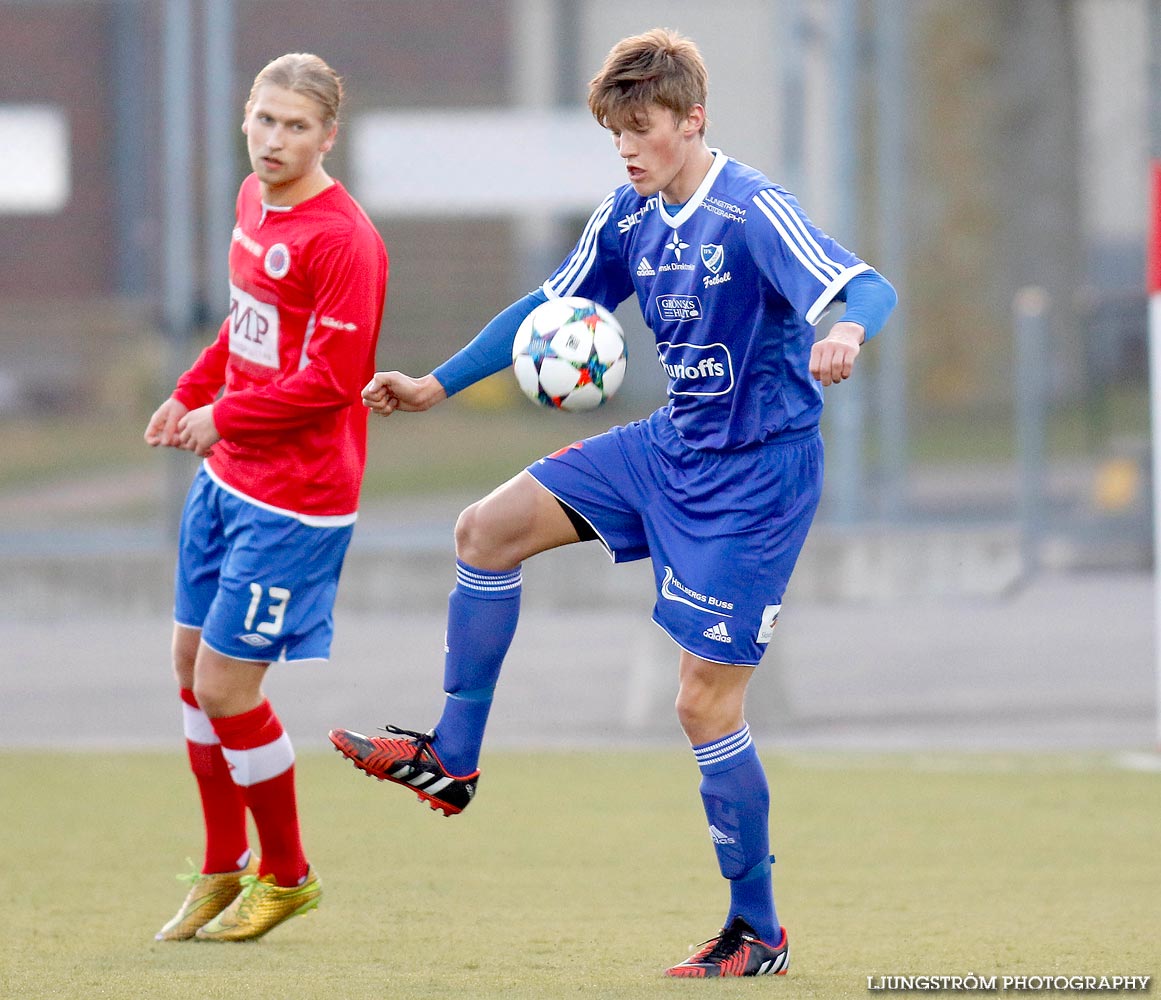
(970,151)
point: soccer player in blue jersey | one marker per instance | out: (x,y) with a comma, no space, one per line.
(718,487)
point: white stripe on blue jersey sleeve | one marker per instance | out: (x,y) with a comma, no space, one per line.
(572,272)
(800,240)
(796,236)
(815,312)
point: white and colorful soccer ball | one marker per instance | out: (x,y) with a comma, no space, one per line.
(569,354)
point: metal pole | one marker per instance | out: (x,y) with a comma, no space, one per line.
(892,20)
(222,119)
(845,401)
(131,85)
(791,41)
(178,264)
(1153,281)
(1030,311)
(536,83)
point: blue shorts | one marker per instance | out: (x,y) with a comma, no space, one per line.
(723,529)
(260,585)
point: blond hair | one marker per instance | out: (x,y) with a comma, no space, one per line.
(304,74)
(658,67)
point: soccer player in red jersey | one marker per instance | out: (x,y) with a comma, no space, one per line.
(270,513)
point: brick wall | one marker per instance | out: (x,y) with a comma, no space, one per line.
(58,54)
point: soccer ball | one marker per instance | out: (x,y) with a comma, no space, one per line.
(569,354)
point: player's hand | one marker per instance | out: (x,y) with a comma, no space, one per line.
(162,426)
(197,432)
(832,359)
(391,391)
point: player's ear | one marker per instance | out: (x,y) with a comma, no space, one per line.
(694,120)
(329,141)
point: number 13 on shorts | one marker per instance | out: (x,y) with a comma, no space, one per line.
(271,604)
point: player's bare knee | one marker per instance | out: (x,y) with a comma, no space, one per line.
(211,698)
(470,539)
(706,712)
(481,539)
(183,670)
(185,651)
(694,710)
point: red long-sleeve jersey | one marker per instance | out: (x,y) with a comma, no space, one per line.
(307,289)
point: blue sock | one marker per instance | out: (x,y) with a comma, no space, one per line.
(737,805)
(481,619)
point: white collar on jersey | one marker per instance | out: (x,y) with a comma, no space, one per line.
(267,209)
(691,206)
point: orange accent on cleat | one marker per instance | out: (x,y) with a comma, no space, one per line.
(411,762)
(736,951)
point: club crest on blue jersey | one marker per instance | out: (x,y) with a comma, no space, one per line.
(712,255)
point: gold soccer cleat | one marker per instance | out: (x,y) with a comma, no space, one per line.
(208,896)
(260,907)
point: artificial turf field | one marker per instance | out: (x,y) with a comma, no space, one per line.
(586,874)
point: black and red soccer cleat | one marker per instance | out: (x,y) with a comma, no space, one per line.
(736,951)
(409,761)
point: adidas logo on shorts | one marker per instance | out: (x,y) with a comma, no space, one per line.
(718,633)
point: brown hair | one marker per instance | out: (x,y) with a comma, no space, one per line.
(304,74)
(658,67)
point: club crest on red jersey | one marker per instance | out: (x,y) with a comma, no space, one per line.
(277,261)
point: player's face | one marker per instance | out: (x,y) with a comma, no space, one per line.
(663,152)
(286,139)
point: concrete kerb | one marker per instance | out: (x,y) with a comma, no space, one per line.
(408,569)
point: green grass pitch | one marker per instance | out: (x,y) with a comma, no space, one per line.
(586,874)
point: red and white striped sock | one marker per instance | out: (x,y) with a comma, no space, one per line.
(261,760)
(223,808)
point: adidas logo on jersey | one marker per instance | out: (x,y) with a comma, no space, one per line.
(645,269)
(719,837)
(718,633)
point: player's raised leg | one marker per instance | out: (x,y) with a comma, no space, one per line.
(737,805)
(493,537)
